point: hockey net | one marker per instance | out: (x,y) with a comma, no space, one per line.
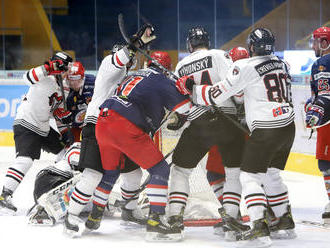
(202,206)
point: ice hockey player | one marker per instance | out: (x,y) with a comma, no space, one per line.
(124,124)
(111,72)
(207,127)
(270,118)
(81,91)
(32,131)
(54,184)
(317,107)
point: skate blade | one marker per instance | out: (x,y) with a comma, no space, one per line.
(230,236)
(41,223)
(160,237)
(256,243)
(219,232)
(7,212)
(73,234)
(131,225)
(284,234)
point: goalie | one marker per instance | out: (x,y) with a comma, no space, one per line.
(54,186)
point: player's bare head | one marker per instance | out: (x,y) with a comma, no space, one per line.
(260,42)
(162,58)
(238,53)
(197,37)
(320,41)
(75,75)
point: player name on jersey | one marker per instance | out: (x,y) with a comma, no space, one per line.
(268,66)
(197,65)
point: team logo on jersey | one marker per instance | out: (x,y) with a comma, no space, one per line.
(80,117)
(235,71)
(322,68)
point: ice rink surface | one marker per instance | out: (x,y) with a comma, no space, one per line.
(307,195)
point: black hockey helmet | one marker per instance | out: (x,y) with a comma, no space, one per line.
(197,37)
(60,55)
(262,40)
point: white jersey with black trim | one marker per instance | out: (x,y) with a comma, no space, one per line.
(266,86)
(206,67)
(112,70)
(42,98)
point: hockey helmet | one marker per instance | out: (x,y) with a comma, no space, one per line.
(76,75)
(162,58)
(322,33)
(319,35)
(262,40)
(238,53)
(197,37)
(63,56)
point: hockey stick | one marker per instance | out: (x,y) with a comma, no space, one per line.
(170,74)
(122,29)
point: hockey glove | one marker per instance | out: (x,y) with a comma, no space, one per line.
(308,104)
(178,121)
(185,85)
(54,67)
(314,116)
(67,137)
(64,116)
(144,36)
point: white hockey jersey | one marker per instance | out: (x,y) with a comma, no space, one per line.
(267,91)
(112,70)
(37,107)
(206,67)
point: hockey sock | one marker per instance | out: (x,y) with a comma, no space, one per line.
(324,167)
(83,190)
(255,198)
(16,173)
(179,189)
(232,190)
(103,190)
(276,191)
(130,187)
(158,186)
(216,182)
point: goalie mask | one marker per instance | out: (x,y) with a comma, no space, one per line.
(261,40)
(238,53)
(75,75)
(320,40)
(162,58)
(197,37)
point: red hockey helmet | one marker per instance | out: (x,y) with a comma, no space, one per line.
(163,58)
(322,33)
(76,75)
(238,53)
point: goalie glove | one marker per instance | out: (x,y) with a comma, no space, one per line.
(55,67)
(185,85)
(144,36)
(62,115)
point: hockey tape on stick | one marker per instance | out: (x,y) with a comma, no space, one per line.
(122,29)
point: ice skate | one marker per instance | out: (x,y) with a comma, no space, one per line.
(159,230)
(6,206)
(133,218)
(258,236)
(93,221)
(283,227)
(176,221)
(218,229)
(40,217)
(326,215)
(231,226)
(73,226)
